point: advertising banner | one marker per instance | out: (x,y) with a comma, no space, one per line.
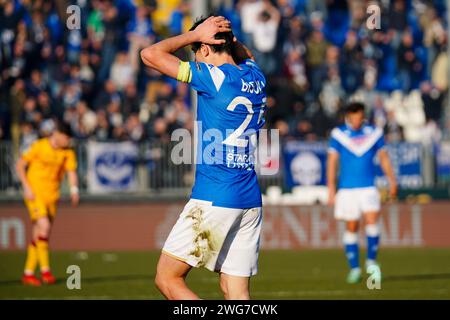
(305,164)
(111,167)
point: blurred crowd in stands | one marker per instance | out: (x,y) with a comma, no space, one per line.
(317,55)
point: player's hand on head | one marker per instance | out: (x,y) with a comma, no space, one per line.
(210,27)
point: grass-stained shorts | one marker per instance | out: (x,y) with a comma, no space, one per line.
(219,239)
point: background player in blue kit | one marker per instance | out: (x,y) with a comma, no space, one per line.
(220,226)
(353,147)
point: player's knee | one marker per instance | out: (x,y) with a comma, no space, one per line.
(161,282)
(235,290)
(43,228)
(372,230)
(238,294)
(371,219)
(350,237)
(165,283)
(352,226)
(224,287)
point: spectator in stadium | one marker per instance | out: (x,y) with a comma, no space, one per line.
(86,72)
(397,21)
(122,72)
(332,93)
(71,94)
(392,130)
(10,17)
(411,116)
(107,95)
(27,135)
(45,106)
(432,99)
(159,129)
(249,13)
(131,99)
(140,35)
(407,61)
(59,67)
(180,19)
(30,112)
(115,119)
(351,62)
(103,129)
(316,48)
(15,68)
(36,84)
(16,99)
(434,34)
(431,134)
(439,73)
(287,12)
(73,51)
(294,69)
(293,52)
(134,128)
(265,32)
(378,115)
(84,121)
(110,41)
(321,123)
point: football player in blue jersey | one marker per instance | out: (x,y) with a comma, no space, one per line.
(352,148)
(220,226)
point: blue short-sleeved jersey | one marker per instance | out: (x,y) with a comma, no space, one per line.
(231,104)
(357,149)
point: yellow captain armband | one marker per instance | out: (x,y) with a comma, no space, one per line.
(184,72)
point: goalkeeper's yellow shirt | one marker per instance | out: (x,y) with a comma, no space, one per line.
(46,168)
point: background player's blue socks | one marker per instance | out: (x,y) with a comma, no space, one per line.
(373,238)
(351,249)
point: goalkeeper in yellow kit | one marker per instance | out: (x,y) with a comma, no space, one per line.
(41,169)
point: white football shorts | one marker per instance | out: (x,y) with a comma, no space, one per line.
(219,239)
(351,203)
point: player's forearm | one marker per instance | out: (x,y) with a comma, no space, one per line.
(331,181)
(386,166)
(331,172)
(172,44)
(73,181)
(160,56)
(22,173)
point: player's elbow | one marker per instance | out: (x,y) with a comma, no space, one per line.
(145,55)
(148,55)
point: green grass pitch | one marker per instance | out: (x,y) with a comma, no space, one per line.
(312,274)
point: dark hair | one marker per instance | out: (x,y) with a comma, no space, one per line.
(265,14)
(354,107)
(224,47)
(63,128)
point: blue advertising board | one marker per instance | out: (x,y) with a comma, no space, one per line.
(305,164)
(443,162)
(406,159)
